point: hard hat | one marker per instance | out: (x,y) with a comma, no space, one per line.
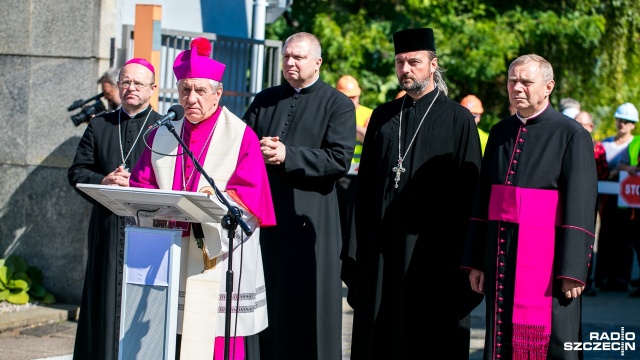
(627,111)
(571,112)
(348,86)
(472,103)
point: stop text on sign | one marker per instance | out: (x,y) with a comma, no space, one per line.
(632,189)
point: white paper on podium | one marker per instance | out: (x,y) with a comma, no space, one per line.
(156,204)
(148,260)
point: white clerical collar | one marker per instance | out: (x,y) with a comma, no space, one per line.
(130,116)
(524,120)
(314,81)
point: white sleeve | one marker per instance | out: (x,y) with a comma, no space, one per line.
(216,239)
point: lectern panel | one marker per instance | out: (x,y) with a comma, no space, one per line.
(144,327)
(149,311)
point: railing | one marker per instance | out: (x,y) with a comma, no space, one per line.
(235,53)
(608,187)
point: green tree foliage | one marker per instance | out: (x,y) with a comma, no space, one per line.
(593,46)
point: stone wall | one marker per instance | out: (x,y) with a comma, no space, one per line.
(50,55)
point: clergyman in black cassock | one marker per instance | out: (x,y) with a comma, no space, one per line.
(315,123)
(533,224)
(112,141)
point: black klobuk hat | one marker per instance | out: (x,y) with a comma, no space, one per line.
(414,40)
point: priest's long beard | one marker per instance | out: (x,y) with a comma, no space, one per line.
(417,86)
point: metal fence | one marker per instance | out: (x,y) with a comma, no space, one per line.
(240,79)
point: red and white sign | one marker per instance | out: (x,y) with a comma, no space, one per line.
(629,194)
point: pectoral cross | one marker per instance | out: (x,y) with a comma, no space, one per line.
(398,170)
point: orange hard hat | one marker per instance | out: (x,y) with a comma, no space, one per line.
(348,85)
(472,103)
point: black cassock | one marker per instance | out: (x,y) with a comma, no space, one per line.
(301,254)
(549,154)
(97,155)
(410,239)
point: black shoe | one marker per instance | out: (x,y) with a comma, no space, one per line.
(635,283)
(635,293)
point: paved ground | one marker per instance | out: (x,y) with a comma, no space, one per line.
(44,333)
(602,315)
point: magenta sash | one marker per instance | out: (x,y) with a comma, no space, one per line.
(236,348)
(538,213)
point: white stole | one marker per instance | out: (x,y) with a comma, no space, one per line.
(198,313)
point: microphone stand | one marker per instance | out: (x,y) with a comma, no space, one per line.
(229,222)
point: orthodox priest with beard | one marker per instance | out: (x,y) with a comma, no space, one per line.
(418,172)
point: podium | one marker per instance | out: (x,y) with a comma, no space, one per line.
(149,310)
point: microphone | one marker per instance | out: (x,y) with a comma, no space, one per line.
(176,112)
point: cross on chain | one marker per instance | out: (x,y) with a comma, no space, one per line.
(398,170)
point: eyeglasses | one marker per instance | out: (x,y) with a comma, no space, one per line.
(626,121)
(127,84)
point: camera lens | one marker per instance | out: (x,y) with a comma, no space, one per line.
(87,113)
(79,118)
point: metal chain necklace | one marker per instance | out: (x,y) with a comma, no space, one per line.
(399,169)
(204,146)
(124,158)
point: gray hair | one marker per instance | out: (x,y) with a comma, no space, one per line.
(314,44)
(568,102)
(438,76)
(214,84)
(111,76)
(545,67)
